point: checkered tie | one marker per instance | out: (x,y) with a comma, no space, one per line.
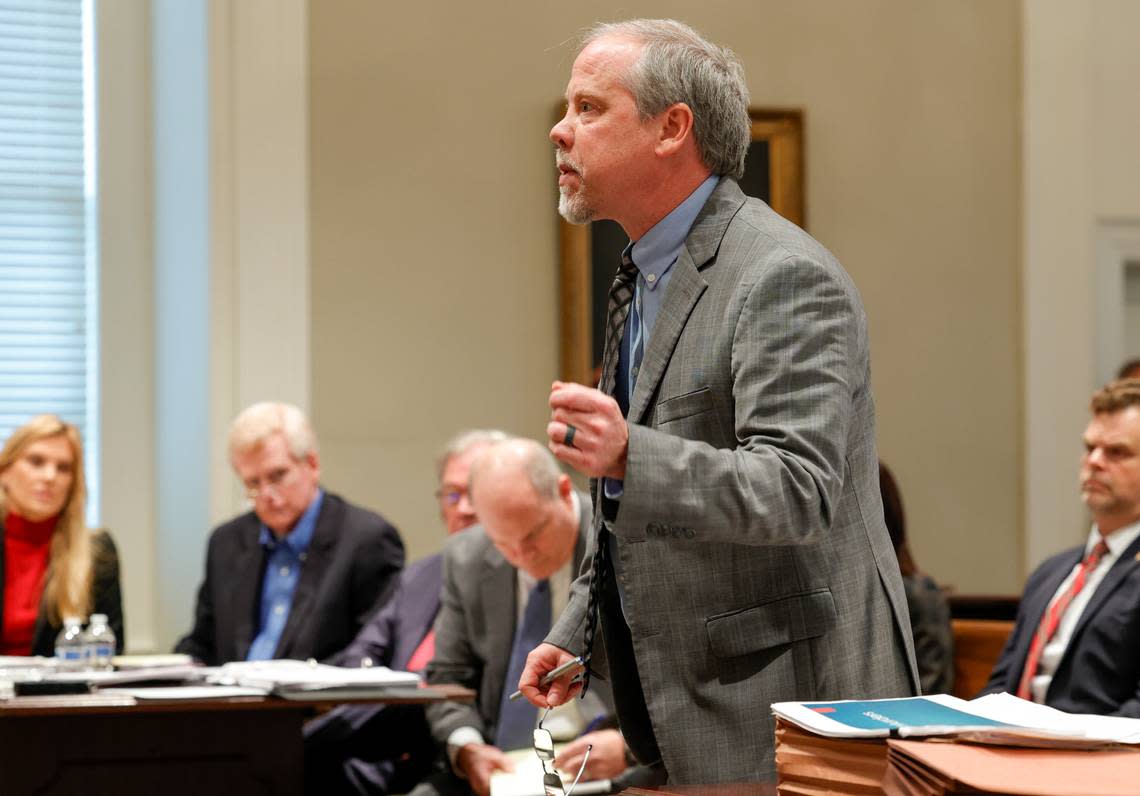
(621,296)
(1051,619)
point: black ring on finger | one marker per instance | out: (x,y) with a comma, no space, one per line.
(568,439)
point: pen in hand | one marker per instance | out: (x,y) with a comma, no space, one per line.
(572,665)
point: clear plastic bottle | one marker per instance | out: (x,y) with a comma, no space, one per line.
(100,641)
(70,646)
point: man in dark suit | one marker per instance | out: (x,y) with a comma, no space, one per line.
(1076,643)
(742,555)
(503,579)
(382,749)
(298,576)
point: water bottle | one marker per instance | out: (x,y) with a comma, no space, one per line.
(100,642)
(70,649)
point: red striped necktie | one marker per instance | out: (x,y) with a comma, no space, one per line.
(1051,619)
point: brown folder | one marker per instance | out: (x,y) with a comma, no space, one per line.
(919,768)
(812,765)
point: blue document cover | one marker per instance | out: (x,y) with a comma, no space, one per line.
(894,714)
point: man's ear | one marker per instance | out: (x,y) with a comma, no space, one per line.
(675,129)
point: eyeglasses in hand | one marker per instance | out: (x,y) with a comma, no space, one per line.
(544,748)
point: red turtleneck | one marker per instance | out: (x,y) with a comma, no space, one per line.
(27,545)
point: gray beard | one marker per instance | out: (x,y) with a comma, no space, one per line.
(574,208)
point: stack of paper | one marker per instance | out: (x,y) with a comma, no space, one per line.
(932,769)
(311,680)
(812,765)
(839,747)
(123,662)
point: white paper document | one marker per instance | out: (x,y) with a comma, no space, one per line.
(995,719)
(285,675)
(181,692)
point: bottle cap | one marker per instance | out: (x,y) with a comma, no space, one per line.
(72,620)
(98,619)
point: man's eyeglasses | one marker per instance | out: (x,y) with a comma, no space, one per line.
(274,481)
(451,496)
(544,748)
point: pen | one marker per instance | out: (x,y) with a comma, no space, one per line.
(548,678)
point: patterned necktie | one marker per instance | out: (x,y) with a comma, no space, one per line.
(1051,619)
(515,728)
(621,296)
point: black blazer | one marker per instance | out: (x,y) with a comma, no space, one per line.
(390,746)
(351,568)
(1100,670)
(106,597)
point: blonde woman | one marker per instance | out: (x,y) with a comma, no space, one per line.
(52,565)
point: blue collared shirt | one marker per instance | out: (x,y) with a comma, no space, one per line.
(282,571)
(654,255)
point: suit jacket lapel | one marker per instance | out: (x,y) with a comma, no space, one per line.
(685,288)
(498,592)
(1120,570)
(316,560)
(1035,608)
(418,606)
(246,589)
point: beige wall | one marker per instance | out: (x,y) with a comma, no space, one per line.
(434,293)
(1082,171)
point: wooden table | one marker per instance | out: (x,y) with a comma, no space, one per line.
(243,745)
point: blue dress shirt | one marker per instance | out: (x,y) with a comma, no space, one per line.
(282,571)
(654,255)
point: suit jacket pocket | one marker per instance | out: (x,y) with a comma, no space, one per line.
(781,621)
(682,406)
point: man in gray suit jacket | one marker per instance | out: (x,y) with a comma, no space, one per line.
(742,555)
(533,532)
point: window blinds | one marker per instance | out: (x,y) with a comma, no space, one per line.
(46,279)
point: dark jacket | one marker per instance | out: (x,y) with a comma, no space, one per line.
(106,597)
(394,632)
(351,568)
(379,748)
(1100,669)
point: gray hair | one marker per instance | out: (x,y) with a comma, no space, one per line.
(678,65)
(532,460)
(462,442)
(260,421)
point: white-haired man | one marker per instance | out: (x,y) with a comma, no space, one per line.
(742,556)
(298,575)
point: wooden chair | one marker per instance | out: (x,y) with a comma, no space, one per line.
(977,645)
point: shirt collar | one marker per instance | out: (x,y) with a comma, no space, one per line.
(659,248)
(1117,542)
(299,538)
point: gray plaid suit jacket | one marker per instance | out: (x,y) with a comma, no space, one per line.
(752,555)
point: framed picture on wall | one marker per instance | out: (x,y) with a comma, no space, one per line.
(773,171)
